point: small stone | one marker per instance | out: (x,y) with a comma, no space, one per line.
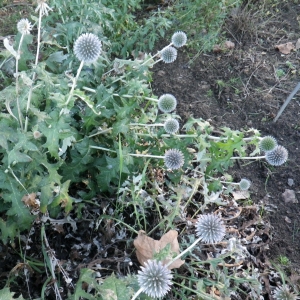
(290,182)
(289,196)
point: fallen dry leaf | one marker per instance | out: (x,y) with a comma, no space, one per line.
(146,247)
(285,48)
(31,201)
(289,196)
(238,195)
(229,45)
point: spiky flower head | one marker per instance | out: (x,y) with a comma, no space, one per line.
(179,39)
(167,103)
(24,26)
(277,157)
(155,279)
(244,184)
(87,47)
(267,143)
(168,54)
(171,126)
(174,159)
(210,228)
(283,293)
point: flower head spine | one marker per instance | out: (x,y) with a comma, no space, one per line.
(277,157)
(168,54)
(167,103)
(267,143)
(171,126)
(210,228)
(87,47)
(245,184)
(43,7)
(174,159)
(179,39)
(155,279)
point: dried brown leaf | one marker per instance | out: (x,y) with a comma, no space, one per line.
(229,45)
(239,195)
(31,201)
(285,48)
(146,247)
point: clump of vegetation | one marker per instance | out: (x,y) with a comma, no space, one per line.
(78,122)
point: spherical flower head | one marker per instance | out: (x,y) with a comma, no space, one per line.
(179,39)
(277,157)
(283,293)
(167,103)
(174,159)
(87,47)
(267,143)
(155,279)
(244,184)
(171,126)
(168,54)
(24,26)
(43,7)
(210,228)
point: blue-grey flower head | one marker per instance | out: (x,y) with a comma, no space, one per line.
(244,184)
(267,143)
(24,26)
(87,47)
(179,39)
(168,54)
(277,157)
(167,103)
(210,228)
(155,279)
(174,159)
(171,126)
(283,293)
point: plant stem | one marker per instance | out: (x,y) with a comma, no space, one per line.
(248,157)
(73,85)
(34,72)
(129,154)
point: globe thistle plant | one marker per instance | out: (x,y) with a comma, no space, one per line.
(283,293)
(24,26)
(210,228)
(179,39)
(174,159)
(167,103)
(277,157)
(87,47)
(267,143)
(168,54)
(43,7)
(171,126)
(155,279)
(244,184)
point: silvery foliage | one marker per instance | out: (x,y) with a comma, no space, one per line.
(277,157)
(87,47)
(167,103)
(210,228)
(174,159)
(155,279)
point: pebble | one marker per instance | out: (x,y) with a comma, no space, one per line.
(290,182)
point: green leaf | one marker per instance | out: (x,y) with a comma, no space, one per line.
(5,294)
(8,230)
(63,198)
(15,156)
(115,289)
(25,54)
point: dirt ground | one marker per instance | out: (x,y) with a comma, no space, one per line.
(244,87)
(240,88)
